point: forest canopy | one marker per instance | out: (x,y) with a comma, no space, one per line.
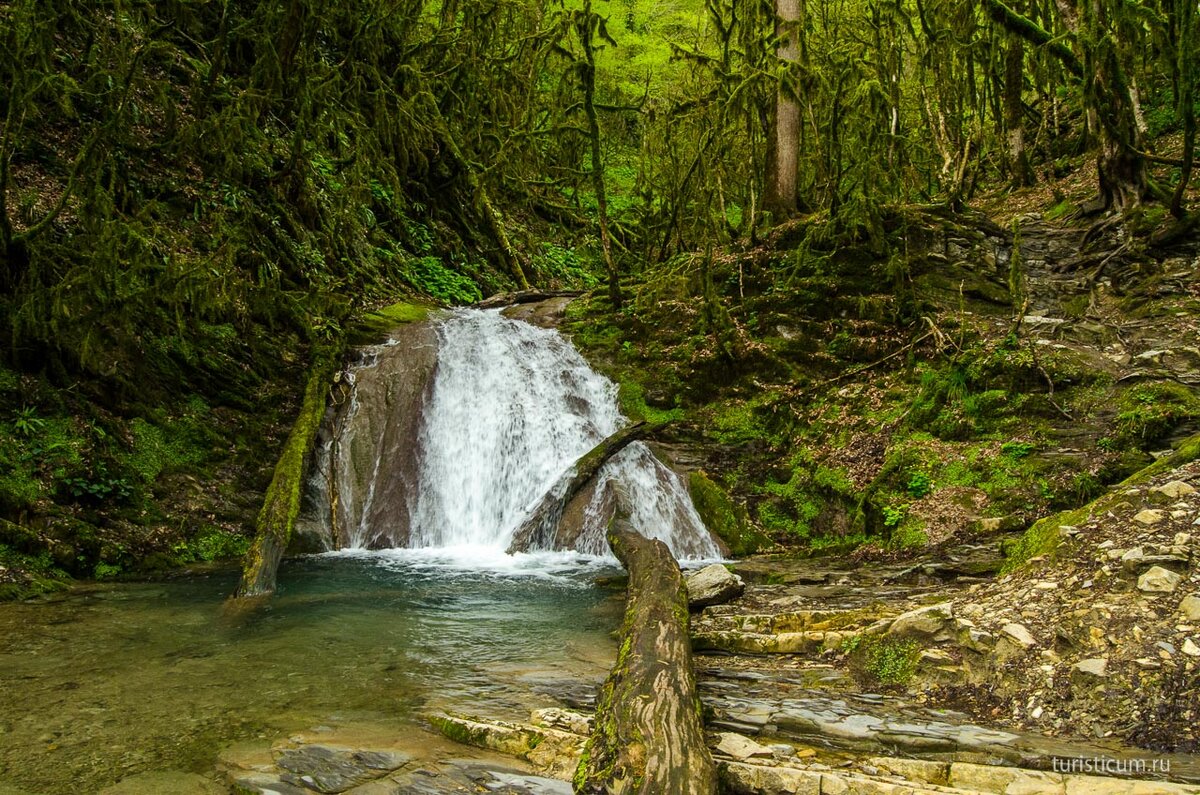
(174,174)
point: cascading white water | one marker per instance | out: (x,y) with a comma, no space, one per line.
(512,407)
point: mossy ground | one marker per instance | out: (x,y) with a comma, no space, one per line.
(99,490)
(841,399)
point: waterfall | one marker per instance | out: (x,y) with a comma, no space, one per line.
(505,409)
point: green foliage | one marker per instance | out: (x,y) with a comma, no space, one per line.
(882,660)
(97,486)
(727,519)
(893,515)
(107,571)
(919,484)
(429,275)
(210,544)
(563,267)
(1017,450)
(1145,414)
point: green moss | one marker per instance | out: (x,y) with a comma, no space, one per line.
(374,326)
(1062,209)
(743,422)
(882,660)
(1146,413)
(632,399)
(457,732)
(281,506)
(1043,537)
(579,779)
(908,531)
(171,447)
(727,519)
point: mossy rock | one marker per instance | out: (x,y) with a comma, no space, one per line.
(374,327)
(728,520)
(1043,537)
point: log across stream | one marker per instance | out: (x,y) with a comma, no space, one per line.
(647,736)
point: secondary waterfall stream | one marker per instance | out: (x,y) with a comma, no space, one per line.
(450,450)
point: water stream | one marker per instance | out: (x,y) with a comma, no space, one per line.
(504,412)
(421,609)
(114,680)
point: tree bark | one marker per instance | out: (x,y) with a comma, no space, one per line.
(540,529)
(1187,69)
(1019,170)
(785,137)
(585,23)
(648,737)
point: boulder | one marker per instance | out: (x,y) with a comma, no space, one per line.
(1159,580)
(1190,607)
(1087,672)
(562,719)
(1149,516)
(1174,490)
(551,751)
(740,747)
(334,768)
(1018,633)
(924,622)
(713,585)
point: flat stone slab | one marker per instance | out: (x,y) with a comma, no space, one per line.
(176,783)
(331,770)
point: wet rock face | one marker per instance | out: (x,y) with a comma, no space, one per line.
(333,770)
(930,623)
(713,585)
(352,500)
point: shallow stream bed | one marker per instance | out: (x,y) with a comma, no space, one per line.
(113,680)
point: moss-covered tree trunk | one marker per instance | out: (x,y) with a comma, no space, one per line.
(785,133)
(586,23)
(273,528)
(539,530)
(647,737)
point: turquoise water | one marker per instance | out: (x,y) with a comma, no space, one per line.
(112,680)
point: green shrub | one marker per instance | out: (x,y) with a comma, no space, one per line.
(1149,412)
(882,660)
(565,266)
(919,484)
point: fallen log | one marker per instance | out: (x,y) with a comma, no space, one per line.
(539,530)
(281,506)
(647,736)
(524,297)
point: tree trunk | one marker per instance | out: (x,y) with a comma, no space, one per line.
(273,528)
(648,737)
(540,529)
(585,23)
(1123,177)
(1124,180)
(1019,171)
(784,153)
(1188,70)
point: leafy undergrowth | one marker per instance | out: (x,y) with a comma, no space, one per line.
(841,398)
(95,493)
